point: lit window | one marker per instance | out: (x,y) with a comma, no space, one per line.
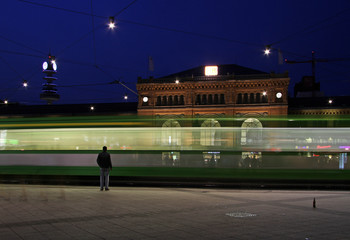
(211,70)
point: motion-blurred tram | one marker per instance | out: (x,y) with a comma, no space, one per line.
(268,143)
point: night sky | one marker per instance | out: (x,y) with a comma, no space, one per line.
(178,35)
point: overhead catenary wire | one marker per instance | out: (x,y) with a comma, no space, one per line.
(21,44)
(95,28)
(145,25)
(140,24)
(93,33)
(60,8)
(12,68)
(288,37)
(89,64)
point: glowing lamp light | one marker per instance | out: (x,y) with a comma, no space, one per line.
(267,50)
(278,95)
(25,83)
(125,97)
(92,108)
(6,102)
(330,101)
(111,23)
(145,99)
(211,70)
(264,93)
(177,81)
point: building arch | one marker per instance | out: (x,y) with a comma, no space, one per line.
(209,134)
(251,135)
(170,135)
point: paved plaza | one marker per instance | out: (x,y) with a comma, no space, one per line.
(81,212)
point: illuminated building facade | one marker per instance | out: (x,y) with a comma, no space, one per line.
(224,90)
(208,93)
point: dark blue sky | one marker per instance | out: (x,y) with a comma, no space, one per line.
(177,34)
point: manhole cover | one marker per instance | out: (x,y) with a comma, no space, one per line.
(241,214)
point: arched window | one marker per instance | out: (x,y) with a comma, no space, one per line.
(251,98)
(216,99)
(239,98)
(170,134)
(264,98)
(251,131)
(170,100)
(222,98)
(204,99)
(165,102)
(251,134)
(245,98)
(198,100)
(182,101)
(210,99)
(159,101)
(209,134)
(176,100)
(257,98)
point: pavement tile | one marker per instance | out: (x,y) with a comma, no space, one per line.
(78,212)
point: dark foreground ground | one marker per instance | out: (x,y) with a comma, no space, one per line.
(84,212)
(305,179)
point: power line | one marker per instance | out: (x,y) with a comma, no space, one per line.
(140,24)
(117,81)
(309,27)
(21,44)
(93,29)
(60,8)
(84,85)
(93,33)
(12,68)
(68,61)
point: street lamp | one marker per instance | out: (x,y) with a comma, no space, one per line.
(111,23)
(267,50)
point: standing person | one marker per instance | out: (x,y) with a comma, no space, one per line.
(105,164)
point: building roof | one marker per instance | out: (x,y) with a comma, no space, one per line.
(224,69)
(225,72)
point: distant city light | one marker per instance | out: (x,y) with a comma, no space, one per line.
(6,102)
(125,97)
(330,101)
(92,108)
(211,70)
(25,83)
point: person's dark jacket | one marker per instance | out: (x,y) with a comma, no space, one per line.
(104,160)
